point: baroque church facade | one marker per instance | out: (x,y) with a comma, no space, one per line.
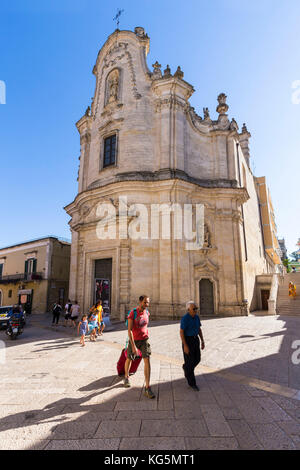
(142,139)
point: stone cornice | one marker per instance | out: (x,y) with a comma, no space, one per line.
(174,86)
(113,190)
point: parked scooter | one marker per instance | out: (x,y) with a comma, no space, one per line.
(16,323)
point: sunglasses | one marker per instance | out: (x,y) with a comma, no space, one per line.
(195,308)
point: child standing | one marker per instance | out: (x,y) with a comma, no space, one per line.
(83,329)
(92,325)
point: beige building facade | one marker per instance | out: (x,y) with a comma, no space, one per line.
(35,274)
(141,140)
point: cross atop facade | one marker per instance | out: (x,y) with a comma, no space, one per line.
(116,18)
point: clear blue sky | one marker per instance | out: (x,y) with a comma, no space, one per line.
(247,49)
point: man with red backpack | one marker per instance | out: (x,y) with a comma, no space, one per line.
(138,320)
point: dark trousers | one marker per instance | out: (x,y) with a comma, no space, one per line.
(192,359)
(55,317)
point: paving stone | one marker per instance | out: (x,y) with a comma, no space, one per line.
(188,410)
(30,432)
(84,444)
(272,437)
(292,429)
(23,444)
(211,443)
(75,429)
(174,427)
(255,392)
(231,412)
(250,408)
(86,408)
(155,443)
(127,415)
(206,397)
(221,397)
(119,428)
(136,405)
(245,436)
(274,409)
(285,403)
(165,399)
(215,421)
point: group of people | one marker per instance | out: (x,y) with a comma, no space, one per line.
(72,312)
(190,331)
(138,336)
(92,323)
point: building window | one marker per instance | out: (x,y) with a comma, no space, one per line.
(109,151)
(1,270)
(30,266)
(10,293)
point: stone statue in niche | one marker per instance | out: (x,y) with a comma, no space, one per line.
(207,237)
(113,87)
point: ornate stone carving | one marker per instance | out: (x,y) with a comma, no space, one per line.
(170,102)
(233,125)
(114,56)
(113,86)
(140,32)
(223,107)
(156,75)
(206,113)
(179,73)
(207,237)
(167,72)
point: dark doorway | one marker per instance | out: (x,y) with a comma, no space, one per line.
(25,299)
(265,294)
(103,283)
(206,297)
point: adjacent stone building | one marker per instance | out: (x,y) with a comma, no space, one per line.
(142,140)
(35,274)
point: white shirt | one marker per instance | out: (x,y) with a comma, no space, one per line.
(75,309)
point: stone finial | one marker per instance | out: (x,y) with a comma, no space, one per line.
(156,70)
(139,31)
(244,137)
(206,113)
(244,128)
(223,107)
(88,111)
(167,72)
(179,73)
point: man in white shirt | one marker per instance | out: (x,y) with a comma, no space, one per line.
(75,310)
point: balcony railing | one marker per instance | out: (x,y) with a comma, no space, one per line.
(25,277)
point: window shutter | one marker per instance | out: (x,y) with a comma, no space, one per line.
(26,266)
(34,266)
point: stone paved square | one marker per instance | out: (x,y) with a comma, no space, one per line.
(57,395)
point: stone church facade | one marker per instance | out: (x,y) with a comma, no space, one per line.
(142,139)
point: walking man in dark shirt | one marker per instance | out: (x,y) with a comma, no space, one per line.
(190,330)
